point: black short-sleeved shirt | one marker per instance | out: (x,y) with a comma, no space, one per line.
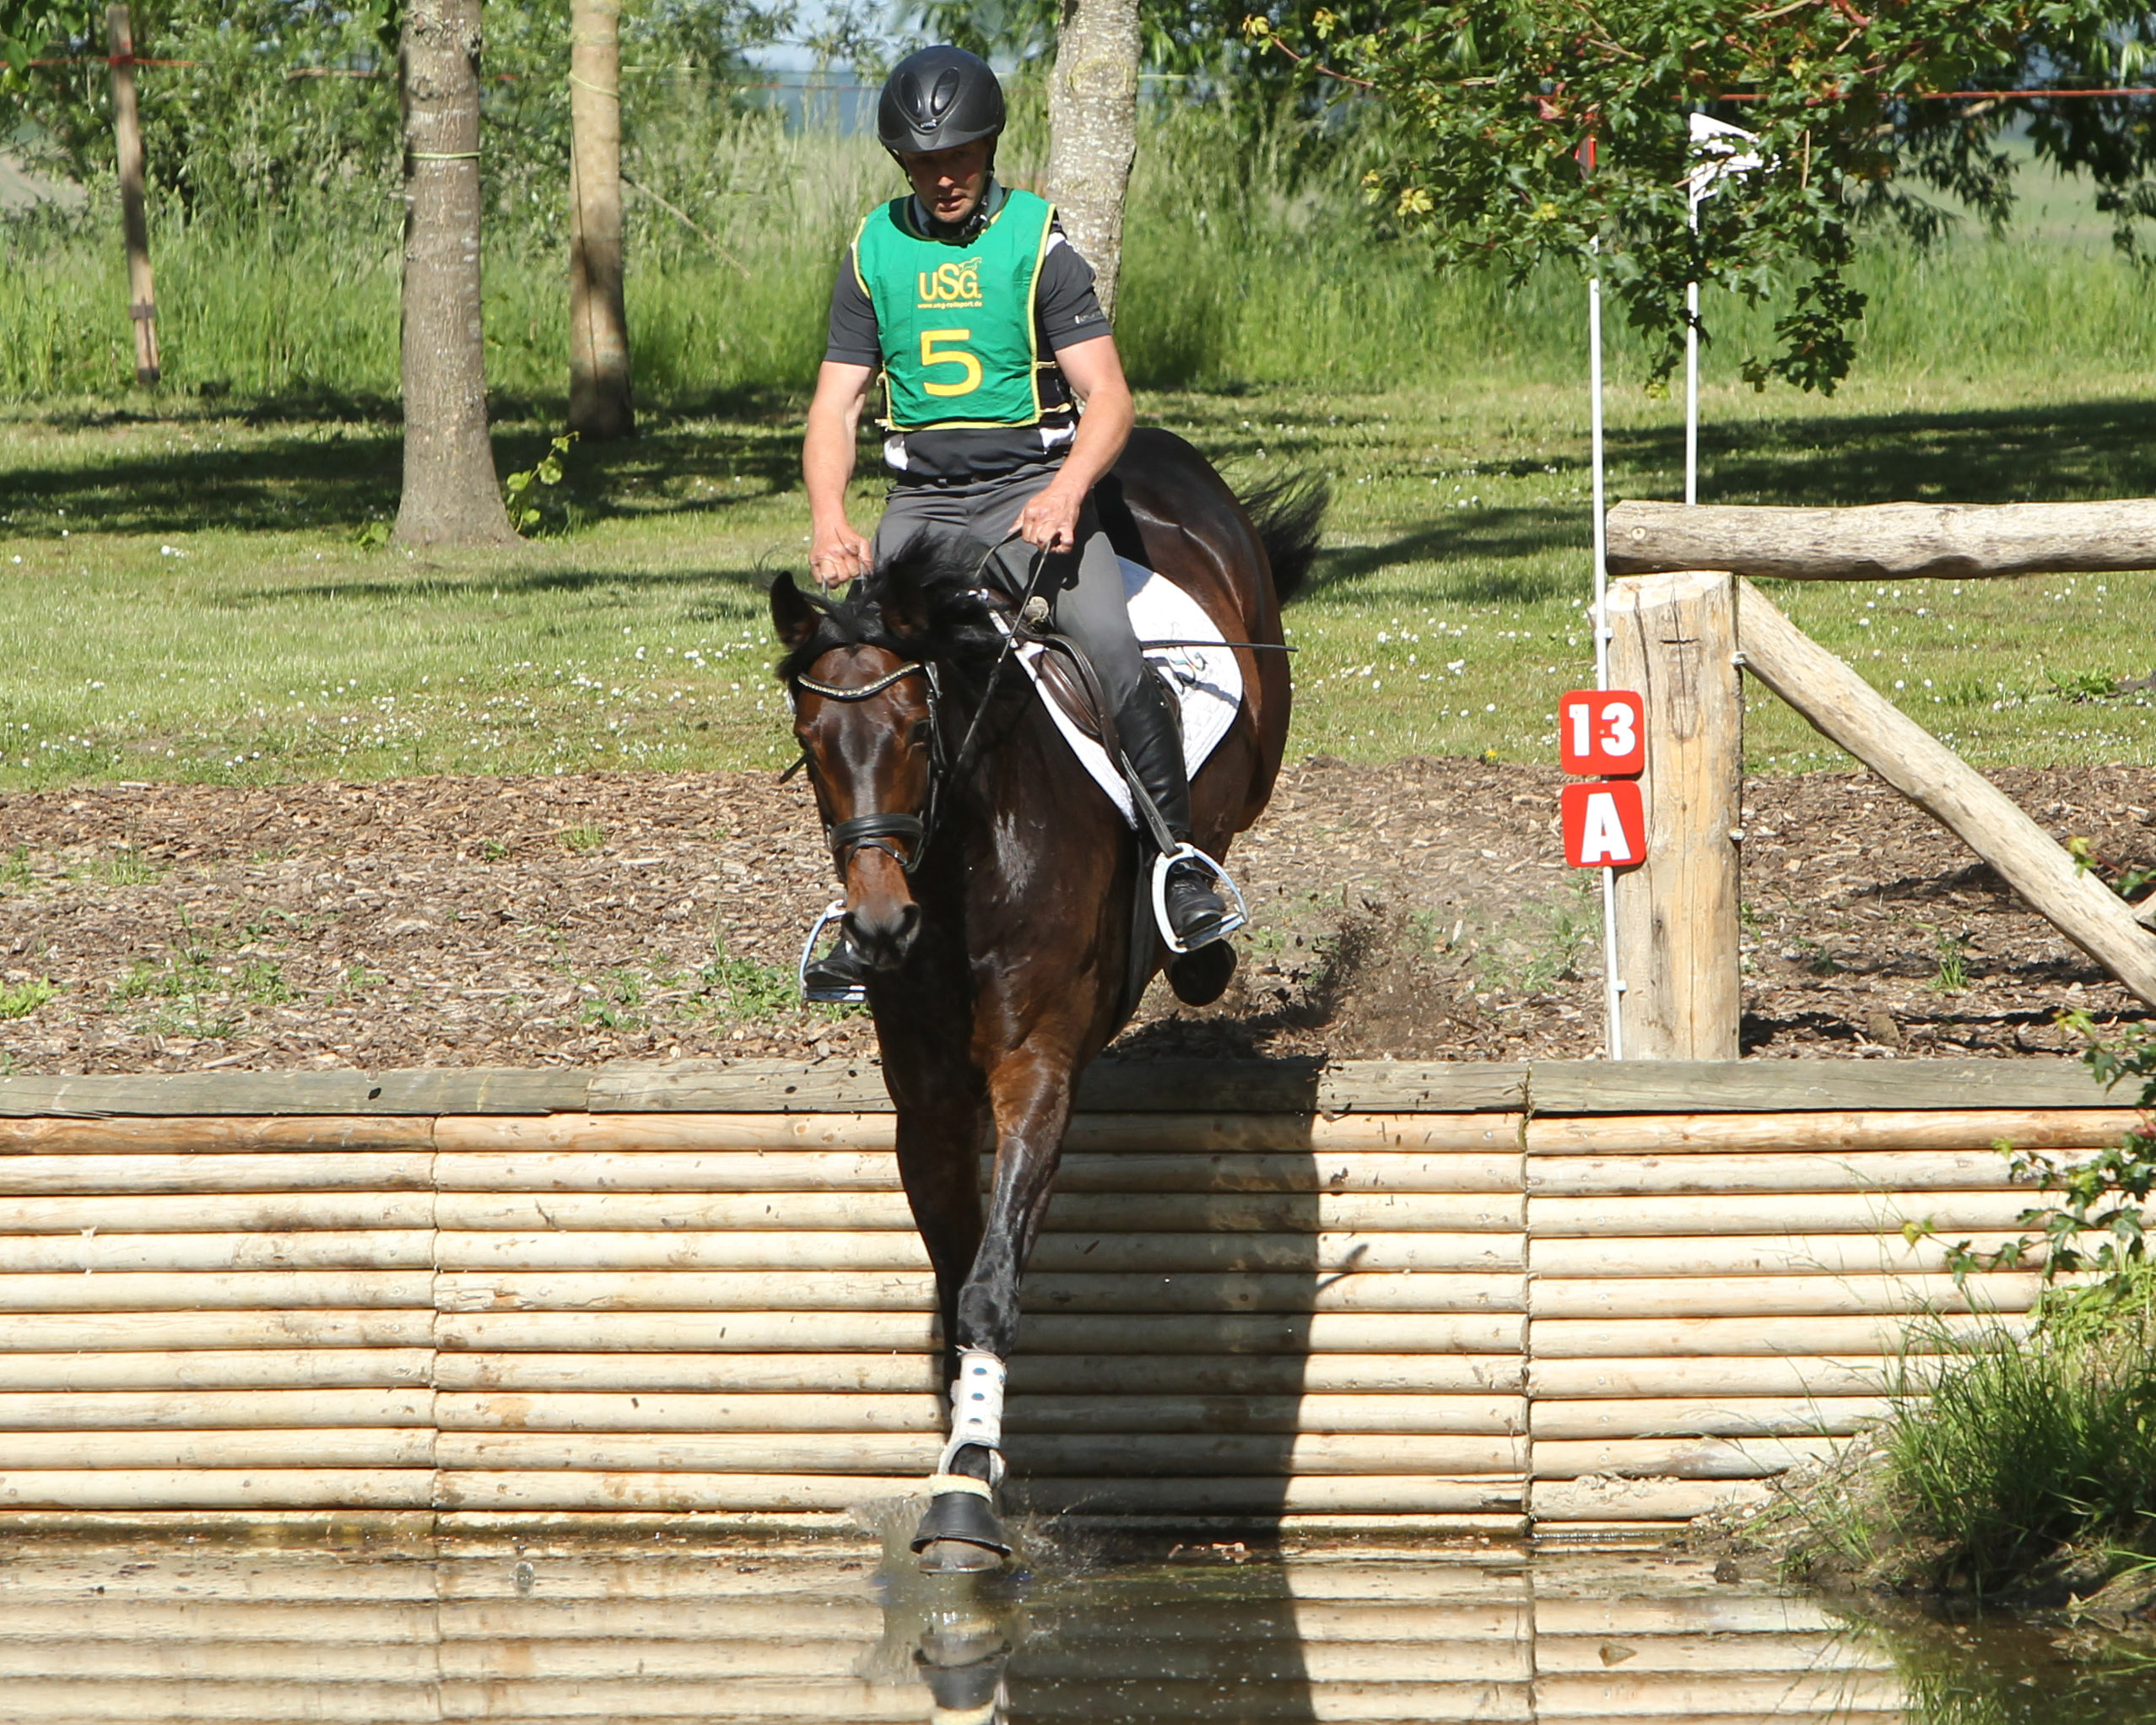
(1066,312)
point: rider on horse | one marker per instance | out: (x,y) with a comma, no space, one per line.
(1005,404)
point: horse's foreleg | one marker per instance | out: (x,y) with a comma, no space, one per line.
(1031,1100)
(939,1150)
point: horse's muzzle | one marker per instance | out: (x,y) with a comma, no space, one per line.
(883,932)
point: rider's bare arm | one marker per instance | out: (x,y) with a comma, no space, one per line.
(1095,371)
(836,553)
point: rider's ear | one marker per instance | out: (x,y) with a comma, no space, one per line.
(791,614)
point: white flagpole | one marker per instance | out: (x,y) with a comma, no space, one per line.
(1692,380)
(1614,989)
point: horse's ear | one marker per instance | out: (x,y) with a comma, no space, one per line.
(903,598)
(792,616)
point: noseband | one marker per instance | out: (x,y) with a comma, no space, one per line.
(878,831)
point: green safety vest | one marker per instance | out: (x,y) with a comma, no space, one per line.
(956,323)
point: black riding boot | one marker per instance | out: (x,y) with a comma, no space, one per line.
(1152,737)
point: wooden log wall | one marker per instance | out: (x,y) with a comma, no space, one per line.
(1464,1313)
(1339,1635)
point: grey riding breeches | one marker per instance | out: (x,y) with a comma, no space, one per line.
(1085,587)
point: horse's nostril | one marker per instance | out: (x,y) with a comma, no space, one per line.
(909,926)
(883,934)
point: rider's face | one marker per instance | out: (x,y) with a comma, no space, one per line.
(949,182)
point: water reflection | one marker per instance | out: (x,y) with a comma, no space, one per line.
(1095,1633)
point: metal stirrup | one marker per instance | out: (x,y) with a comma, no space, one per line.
(1238,912)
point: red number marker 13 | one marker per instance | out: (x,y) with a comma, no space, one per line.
(1601,732)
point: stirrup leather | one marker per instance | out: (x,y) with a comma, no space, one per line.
(852,995)
(1238,912)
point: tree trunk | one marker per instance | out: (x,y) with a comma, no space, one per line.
(452,495)
(128,134)
(1093,131)
(599,400)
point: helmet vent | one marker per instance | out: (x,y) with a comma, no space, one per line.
(946,91)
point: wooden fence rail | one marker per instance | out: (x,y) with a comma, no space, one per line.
(1475,1316)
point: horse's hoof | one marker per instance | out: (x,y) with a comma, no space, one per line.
(960,1535)
(1200,978)
(958,1557)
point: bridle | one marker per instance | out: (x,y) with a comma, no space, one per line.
(877,831)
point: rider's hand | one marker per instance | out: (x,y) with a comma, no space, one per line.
(837,555)
(1049,518)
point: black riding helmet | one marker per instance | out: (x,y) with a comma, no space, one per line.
(938,98)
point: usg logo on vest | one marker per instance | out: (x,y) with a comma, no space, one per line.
(951,285)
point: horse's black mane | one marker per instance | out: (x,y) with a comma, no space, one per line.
(922,603)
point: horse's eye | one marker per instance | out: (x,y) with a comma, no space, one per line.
(922,729)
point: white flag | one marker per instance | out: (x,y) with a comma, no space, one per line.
(1717,148)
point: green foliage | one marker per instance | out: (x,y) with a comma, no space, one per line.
(280,102)
(2017,1451)
(18,1000)
(524,515)
(1532,131)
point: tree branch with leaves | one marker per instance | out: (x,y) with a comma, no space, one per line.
(1537,130)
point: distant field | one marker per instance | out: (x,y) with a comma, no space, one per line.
(182,597)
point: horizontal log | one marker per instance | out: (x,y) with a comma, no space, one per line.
(1137,1455)
(327,1669)
(1842,707)
(865,1291)
(1068,1212)
(252,1369)
(1837,1131)
(1461,1415)
(211,1290)
(1608,1217)
(1842,1697)
(1603,1499)
(1049,1333)
(1456,1173)
(1089,1134)
(251,1213)
(133,1332)
(1837,1255)
(1436,1373)
(314,1446)
(388,1628)
(1731,1616)
(1733,1416)
(1678,1457)
(830,1250)
(1711,1655)
(1658,1087)
(294,1170)
(1907,1173)
(193,1488)
(1803,1376)
(103,1254)
(1411,1493)
(1780,1297)
(207,1410)
(1885,541)
(1738,1338)
(192,1134)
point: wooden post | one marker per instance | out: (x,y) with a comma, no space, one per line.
(599,400)
(1675,641)
(127,133)
(1846,710)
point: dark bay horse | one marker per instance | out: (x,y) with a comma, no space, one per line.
(994,896)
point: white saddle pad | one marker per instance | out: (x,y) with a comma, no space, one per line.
(1207,679)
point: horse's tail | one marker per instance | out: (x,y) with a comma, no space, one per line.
(1287,513)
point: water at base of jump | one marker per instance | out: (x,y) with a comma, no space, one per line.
(1090,1623)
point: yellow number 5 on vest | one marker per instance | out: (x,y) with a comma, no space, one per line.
(933,353)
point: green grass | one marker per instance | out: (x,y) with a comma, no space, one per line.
(184,592)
